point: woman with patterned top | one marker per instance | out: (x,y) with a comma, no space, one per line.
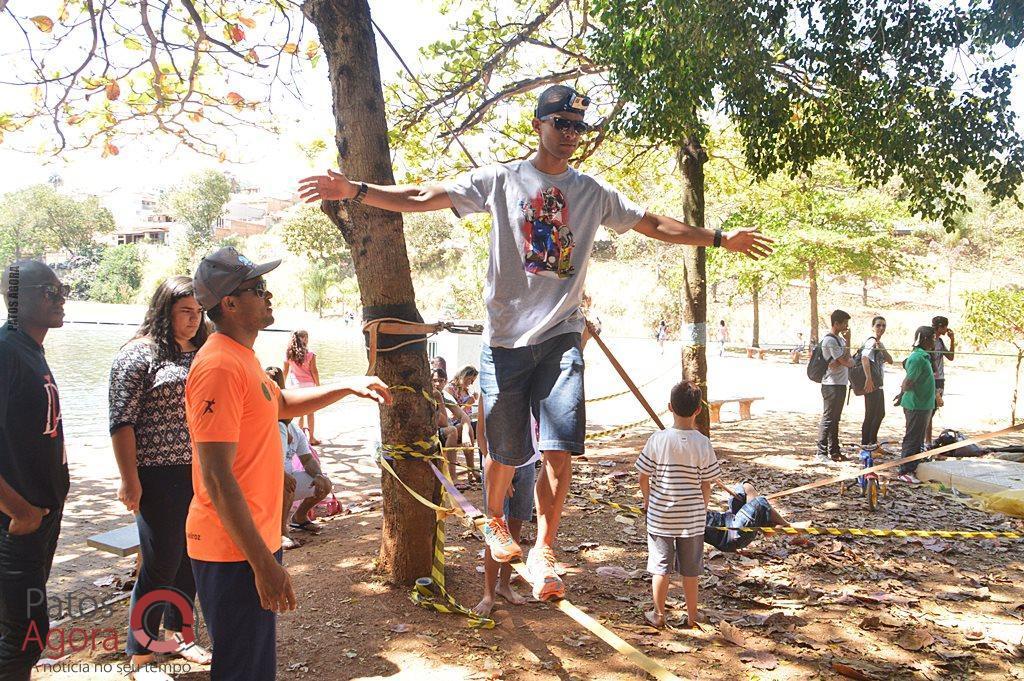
(300,372)
(154,454)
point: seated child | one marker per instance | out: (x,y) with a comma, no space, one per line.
(746,509)
(677,467)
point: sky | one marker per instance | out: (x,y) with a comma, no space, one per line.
(278,162)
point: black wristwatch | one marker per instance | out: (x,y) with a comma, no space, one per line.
(358,198)
(718,238)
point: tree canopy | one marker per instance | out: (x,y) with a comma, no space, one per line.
(39,219)
(870,82)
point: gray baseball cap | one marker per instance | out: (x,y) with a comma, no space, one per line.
(222,271)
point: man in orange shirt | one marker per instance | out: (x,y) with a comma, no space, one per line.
(234,521)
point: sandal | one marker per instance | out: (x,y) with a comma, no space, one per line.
(287,543)
(306,526)
(192,652)
(653,619)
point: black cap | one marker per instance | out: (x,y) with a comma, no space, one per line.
(221,272)
(559,98)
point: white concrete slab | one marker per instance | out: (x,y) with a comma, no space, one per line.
(974,475)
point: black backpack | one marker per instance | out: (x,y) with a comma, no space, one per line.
(857,377)
(818,365)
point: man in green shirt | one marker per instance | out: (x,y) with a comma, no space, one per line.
(918,400)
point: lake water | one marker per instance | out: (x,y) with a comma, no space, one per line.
(80,356)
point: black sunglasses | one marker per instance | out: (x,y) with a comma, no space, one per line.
(53,291)
(259,289)
(563,124)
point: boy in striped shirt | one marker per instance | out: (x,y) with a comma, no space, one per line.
(677,467)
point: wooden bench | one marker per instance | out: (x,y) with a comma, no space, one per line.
(124,541)
(744,402)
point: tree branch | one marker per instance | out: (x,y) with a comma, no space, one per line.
(519,87)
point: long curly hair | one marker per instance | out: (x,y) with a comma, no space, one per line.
(298,346)
(156,325)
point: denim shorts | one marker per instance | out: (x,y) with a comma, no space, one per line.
(519,506)
(545,379)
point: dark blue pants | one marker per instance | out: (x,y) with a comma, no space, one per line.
(166,494)
(833,398)
(244,635)
(25,563)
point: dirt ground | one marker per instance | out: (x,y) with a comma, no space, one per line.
(863,608)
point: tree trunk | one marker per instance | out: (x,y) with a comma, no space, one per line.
(755,301)
(864,290)
(812,276)
(377,243)
(691,158)
(949,288)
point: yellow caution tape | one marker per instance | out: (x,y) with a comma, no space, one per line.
(879,532)
(844,531)
(423,591)
(619,429)
(635,510)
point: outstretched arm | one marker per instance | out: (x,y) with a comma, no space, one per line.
(747,241)
(334,186)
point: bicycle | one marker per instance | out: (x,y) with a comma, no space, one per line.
(871,486)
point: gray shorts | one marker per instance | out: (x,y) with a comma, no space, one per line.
(684,555)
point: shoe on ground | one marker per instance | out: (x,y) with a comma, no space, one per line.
(822,458)
(504,548)
(546,582)
(287,543)
(908,478)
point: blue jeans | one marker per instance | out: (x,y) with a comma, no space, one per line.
(545,379)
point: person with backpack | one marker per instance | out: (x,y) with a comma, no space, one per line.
(917,397)
(870,362)
(832,354)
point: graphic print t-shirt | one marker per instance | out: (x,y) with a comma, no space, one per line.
(228,398)
(32,457)
(542,231)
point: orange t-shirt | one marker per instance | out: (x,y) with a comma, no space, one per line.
(228,398)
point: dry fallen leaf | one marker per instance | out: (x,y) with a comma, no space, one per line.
(760,659)
(732,634)
(851,672)
(915,639)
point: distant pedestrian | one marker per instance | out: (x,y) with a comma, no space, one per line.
(835,348)
(154,455)
(300,371)
(661,334)
(723,337)
(917,399)
(798,350)
(939,355)
(873,357)
(33,466)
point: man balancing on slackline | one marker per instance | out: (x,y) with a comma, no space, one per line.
(544,217)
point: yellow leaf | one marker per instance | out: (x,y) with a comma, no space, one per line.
(249,23)
(223,156)
(1,136)
(290,48)
(44,24)
(311,49)
(37,94)
(196,116)
(113,90)
(133,44)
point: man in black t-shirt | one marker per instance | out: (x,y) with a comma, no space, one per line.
(33,466)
